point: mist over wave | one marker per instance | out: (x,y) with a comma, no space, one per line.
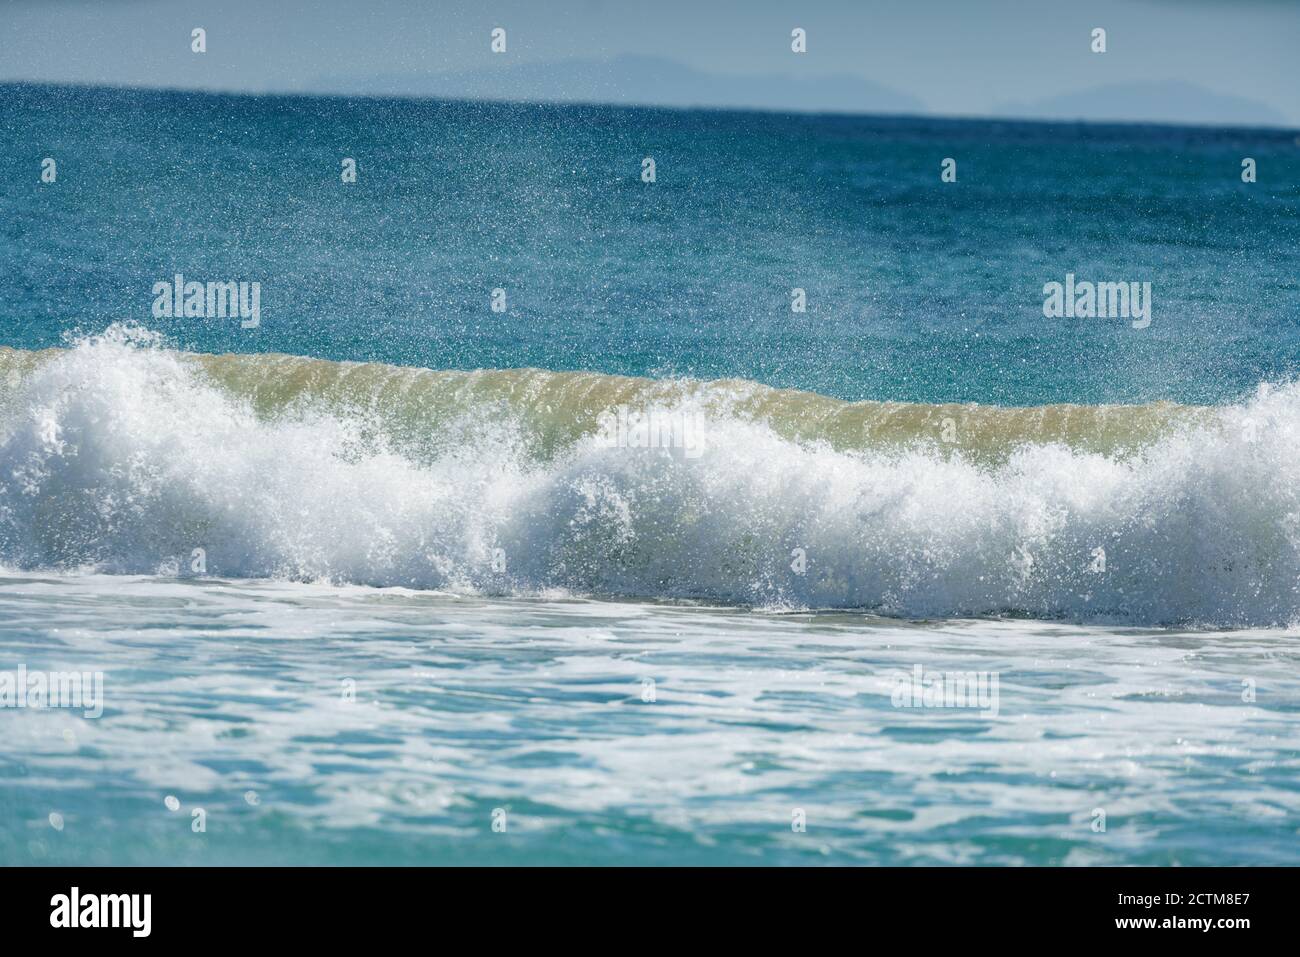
(120,454)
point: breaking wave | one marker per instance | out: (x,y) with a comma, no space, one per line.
(121,455)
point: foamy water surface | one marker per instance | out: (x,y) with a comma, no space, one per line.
(233,697)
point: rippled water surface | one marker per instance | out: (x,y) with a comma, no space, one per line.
(233,697)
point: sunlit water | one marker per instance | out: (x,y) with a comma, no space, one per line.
(233,697)
(538,645)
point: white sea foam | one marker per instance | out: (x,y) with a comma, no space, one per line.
(119,454)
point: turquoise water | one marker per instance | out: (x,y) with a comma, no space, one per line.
(464,706)
(359,598)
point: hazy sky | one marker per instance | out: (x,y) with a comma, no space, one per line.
(957,56)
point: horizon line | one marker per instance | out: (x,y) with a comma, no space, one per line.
(677,108)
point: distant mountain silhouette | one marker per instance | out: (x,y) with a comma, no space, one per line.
(636,80)
(1168,101)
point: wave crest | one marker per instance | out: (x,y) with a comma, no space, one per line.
(120,454)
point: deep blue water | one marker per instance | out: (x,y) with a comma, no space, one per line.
(917,289)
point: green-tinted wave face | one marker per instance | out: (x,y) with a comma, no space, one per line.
(557,408)
(424,409)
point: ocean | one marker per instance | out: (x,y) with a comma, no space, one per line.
(598,485)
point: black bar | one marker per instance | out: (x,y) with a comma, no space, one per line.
(335,906)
